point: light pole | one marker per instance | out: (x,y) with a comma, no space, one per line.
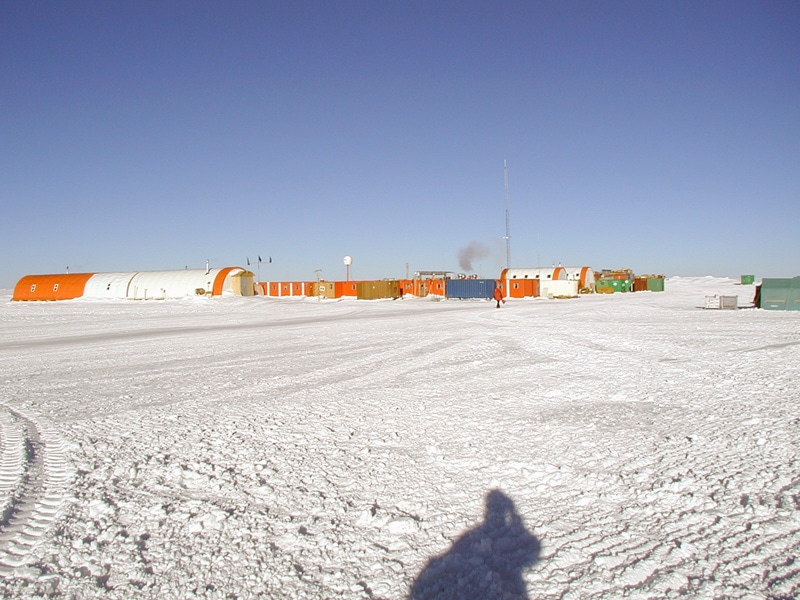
(348,260)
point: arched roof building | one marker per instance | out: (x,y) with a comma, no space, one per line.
(140,285)
(544,274)
(585,277)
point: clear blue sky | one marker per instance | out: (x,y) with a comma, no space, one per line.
(658,136)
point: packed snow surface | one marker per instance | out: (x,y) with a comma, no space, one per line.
(629,445)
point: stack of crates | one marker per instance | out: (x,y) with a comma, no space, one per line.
(722,302)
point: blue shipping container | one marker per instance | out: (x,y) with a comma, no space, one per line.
(469,288)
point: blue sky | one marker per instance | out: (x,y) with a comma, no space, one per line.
(658,136)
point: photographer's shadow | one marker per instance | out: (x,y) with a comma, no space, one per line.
(486,562)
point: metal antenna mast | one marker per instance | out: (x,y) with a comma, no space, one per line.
(508,229)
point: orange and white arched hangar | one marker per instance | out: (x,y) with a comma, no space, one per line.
(519,283)
(140,285)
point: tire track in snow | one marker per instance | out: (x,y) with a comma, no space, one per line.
(12,453)
(34,477)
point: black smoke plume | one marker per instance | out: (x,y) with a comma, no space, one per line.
(474,251)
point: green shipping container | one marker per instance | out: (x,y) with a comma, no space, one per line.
(748,279)
(655,284)
(608,286)
(780,294)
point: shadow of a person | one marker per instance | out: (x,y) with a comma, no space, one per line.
(486,562)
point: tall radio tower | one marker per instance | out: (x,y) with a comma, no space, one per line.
(508,229)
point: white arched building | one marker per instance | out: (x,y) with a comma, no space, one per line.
(584,276)
(550,281)
(542,274)
(140,285)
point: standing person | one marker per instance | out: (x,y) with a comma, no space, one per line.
(498,295)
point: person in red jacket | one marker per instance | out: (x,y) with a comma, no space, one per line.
(498,295)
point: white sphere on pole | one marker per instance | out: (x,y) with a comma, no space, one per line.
(348,260)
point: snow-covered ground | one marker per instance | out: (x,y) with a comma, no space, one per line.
(626,445)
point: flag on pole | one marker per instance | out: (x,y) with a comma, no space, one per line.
(259,258)
(248,261)
(270,259)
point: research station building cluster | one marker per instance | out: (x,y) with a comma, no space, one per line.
(553,282)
